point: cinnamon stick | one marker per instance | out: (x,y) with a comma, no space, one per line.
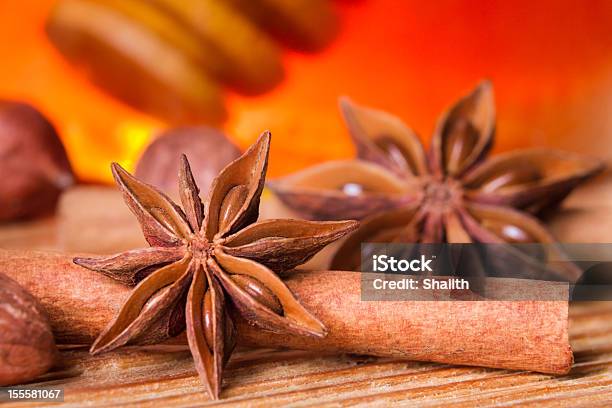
(526,335)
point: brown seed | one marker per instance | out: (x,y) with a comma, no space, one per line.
(398,155)
(232,203)
(154,300)
(229,330)
(353,189)
(27,348)
(509,232)
(460,140)
(174,321)
(518,175)
(207,318)
(33,163)
(259,292)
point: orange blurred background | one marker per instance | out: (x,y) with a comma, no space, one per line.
(550,62)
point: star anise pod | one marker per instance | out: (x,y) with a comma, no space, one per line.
(204,259)
(452,194)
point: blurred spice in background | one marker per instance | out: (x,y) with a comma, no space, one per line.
(550,61)
(33,163)
(170,58)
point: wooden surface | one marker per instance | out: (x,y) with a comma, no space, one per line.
(166,376)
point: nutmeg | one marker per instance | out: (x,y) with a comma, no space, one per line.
(27,348)
(33,162)
(207,149)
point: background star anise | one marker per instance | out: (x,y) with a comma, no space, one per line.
(451,194)
(205,257)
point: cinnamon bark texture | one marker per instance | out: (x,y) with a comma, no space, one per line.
(526,335)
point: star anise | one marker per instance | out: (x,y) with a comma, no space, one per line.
(452,194)
(204,259)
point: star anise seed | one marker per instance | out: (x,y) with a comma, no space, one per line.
(205,257)
(451,194)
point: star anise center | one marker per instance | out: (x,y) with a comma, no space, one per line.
(200,247)
(441,195)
